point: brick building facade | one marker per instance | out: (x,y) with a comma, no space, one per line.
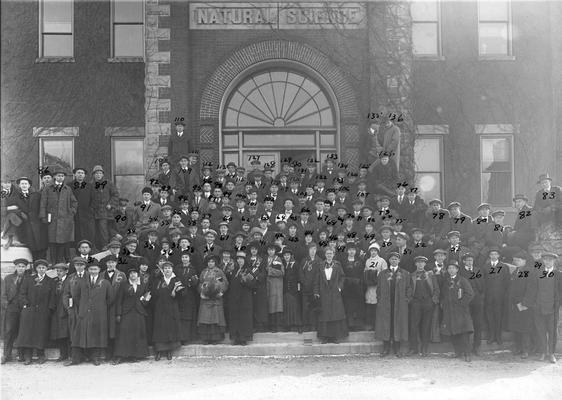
(478,125)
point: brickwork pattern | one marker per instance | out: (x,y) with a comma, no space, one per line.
(157,81)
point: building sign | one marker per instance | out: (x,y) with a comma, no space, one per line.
(277,15)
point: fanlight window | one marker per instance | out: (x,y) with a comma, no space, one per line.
(278,99)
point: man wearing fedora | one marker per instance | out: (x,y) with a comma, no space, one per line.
(106,199)
(496,282)
(57,209)
(548,201)
(524,229)
(179,144)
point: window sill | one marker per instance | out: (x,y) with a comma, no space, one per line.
(428,58)
(497,57)
(126,60)
(55,60)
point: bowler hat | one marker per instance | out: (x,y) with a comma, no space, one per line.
(84,241)
(23,178)
(79,169)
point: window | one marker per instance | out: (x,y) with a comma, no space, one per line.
(128,24)
(496,160)
(428,166)
(494,28)
(426,28)
(56,28)
(57,153)
(127,166)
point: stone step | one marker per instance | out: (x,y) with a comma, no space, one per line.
(295,337)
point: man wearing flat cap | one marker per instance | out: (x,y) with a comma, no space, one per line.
(84,219)
(11,287)
(459,221)
(105,201)
(455,250)
(523,230)
(179,143)
(437,223)
(496,282)
(57,209)
(394,292)
(475,276)
(548,201)
(520,299)
(481,228)
(547,306)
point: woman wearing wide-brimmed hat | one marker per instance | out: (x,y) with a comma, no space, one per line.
(212,285)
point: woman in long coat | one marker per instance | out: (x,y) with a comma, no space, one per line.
(59,319)
(132,297)
(166,332)
(292,303)
(37,297)
(212,284)
(59,204)
(275,272)
(32,232)
(332,325)
(456,295)
(353,291)
(394,292)
(148,278)
(373,266)
(187,302)
(257,266)
(240,298)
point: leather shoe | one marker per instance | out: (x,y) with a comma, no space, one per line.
(157,356)
(116,361)
(552,359)
(96,361)
(68,363)
(412,352)
(169,355)
(399,354)
(27,362)
(524,355)
(41,360)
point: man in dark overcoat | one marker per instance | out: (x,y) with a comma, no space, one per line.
(524,228)
(456,295)
(475,276)
(179,144)
(394,292)
(84,218)
(93,298)
(57,209)
(59,319)
(116,278)
(308,271)
(11,287)
(105,201)
(520,296)
(70,298)
(496,282)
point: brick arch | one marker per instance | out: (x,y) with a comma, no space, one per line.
(269,50)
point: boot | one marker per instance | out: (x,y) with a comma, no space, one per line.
(157,356)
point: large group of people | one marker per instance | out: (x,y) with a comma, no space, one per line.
(214,250)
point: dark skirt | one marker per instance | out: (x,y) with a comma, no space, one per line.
(332,329)
(188,330)
(293,310)
(211,332)
(354,311)
(131,341)
(370,315)
(166,346)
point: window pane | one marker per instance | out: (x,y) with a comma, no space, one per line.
(429,185)
(427,155)
(230,157)
(58,153)
(493,10)
(128,157)
(496,188)
(496,154)
(493,38)
(58,46)
(128,11)
(130,186)
(259,139)
(424,11)
(327,140)
(231,140)
(424,38)
(57,16)
(129,41)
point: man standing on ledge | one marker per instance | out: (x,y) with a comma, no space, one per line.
(179,144)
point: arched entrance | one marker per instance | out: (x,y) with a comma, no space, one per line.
(278,56)
(278,112)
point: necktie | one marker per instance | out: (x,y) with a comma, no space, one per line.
(93,280)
